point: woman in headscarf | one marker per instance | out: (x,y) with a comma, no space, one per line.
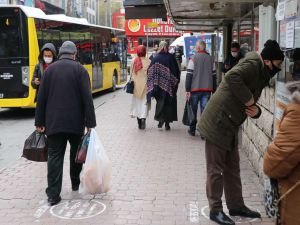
(139,107)
(162,84)
(282,159)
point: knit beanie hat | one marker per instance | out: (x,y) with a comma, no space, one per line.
(68,47)
(272,51)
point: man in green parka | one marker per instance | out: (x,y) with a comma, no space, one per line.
(234,100)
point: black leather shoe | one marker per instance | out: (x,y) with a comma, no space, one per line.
(192,133)
(139,122)
(54,201)
(143,124)
(75,188)
(244,212)
(160,124)
(167,126)
(221,218)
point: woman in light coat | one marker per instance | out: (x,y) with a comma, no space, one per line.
(138,71)
(282,159)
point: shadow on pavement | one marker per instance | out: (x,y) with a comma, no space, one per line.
(16,113)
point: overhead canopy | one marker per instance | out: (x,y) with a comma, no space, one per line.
(144,9)
(208,15)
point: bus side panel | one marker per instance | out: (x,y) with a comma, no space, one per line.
(33,58)
(108,72)
(89,69)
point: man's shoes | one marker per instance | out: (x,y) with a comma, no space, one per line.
(221,218)
(54,201)
(75,187)
(244,212)
(143,124)
(192,133)
(167,126)
(160,124)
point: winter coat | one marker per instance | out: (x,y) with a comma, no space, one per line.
(225,111)
(140,79)
(282,162)
(231,61)
(65,103)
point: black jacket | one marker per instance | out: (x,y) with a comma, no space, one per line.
(65,103)
(231,61)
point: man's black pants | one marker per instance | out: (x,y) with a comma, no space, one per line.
(57,144)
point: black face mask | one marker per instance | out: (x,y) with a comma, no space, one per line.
(273,71)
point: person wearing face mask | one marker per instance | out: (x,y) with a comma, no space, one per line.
(46,57)
(228,108)
(233,58)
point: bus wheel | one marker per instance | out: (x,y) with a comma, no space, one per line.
(114,82)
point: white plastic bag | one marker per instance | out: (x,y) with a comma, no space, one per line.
(96,172)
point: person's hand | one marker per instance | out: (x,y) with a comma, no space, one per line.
(188,95)
(88,129)
(252,111)
(40,129)
(37,81)
(227,67)
(250,102)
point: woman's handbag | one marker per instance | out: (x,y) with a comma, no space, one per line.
(273,198)
(129,87)
(35,147)
(82,148)
(188,115)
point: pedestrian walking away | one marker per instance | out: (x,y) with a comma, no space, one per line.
(162,84)
(46,57)
(199,81)
(64,108)
(178,55)
(282,159)
(139,106)
(229,106)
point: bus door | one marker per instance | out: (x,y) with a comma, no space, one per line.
(97,67)
(14,60)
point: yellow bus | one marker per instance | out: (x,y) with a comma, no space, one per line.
(24,30)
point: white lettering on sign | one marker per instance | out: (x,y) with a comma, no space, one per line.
(1,95)
(6,76)
(78,209)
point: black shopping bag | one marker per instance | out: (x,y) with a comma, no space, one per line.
(129,87)
(35,147)
(188,115)
(82,148)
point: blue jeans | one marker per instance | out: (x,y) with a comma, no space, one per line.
(196,98)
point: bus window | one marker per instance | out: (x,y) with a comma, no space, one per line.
(13,34)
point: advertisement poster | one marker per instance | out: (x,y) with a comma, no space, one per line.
(282,33)
(281,101)
(290,10)
(150,27)
(297,34)
(290,32)
(280,10)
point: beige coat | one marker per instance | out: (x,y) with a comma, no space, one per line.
(282,162)
(140,79)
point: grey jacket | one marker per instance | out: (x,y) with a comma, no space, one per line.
(200,73)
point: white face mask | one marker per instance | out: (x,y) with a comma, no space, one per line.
(48,60)
(234,54)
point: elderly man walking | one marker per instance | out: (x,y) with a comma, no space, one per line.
(64,108)
(199,80)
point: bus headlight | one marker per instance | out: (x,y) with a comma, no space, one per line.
(25,75)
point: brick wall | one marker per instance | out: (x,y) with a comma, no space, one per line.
(257,134)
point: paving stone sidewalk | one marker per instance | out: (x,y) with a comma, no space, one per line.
(158,178)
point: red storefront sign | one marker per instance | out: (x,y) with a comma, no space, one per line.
(150,27)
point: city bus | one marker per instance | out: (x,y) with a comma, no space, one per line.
(24,30)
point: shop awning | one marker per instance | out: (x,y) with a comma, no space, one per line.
(208,15)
